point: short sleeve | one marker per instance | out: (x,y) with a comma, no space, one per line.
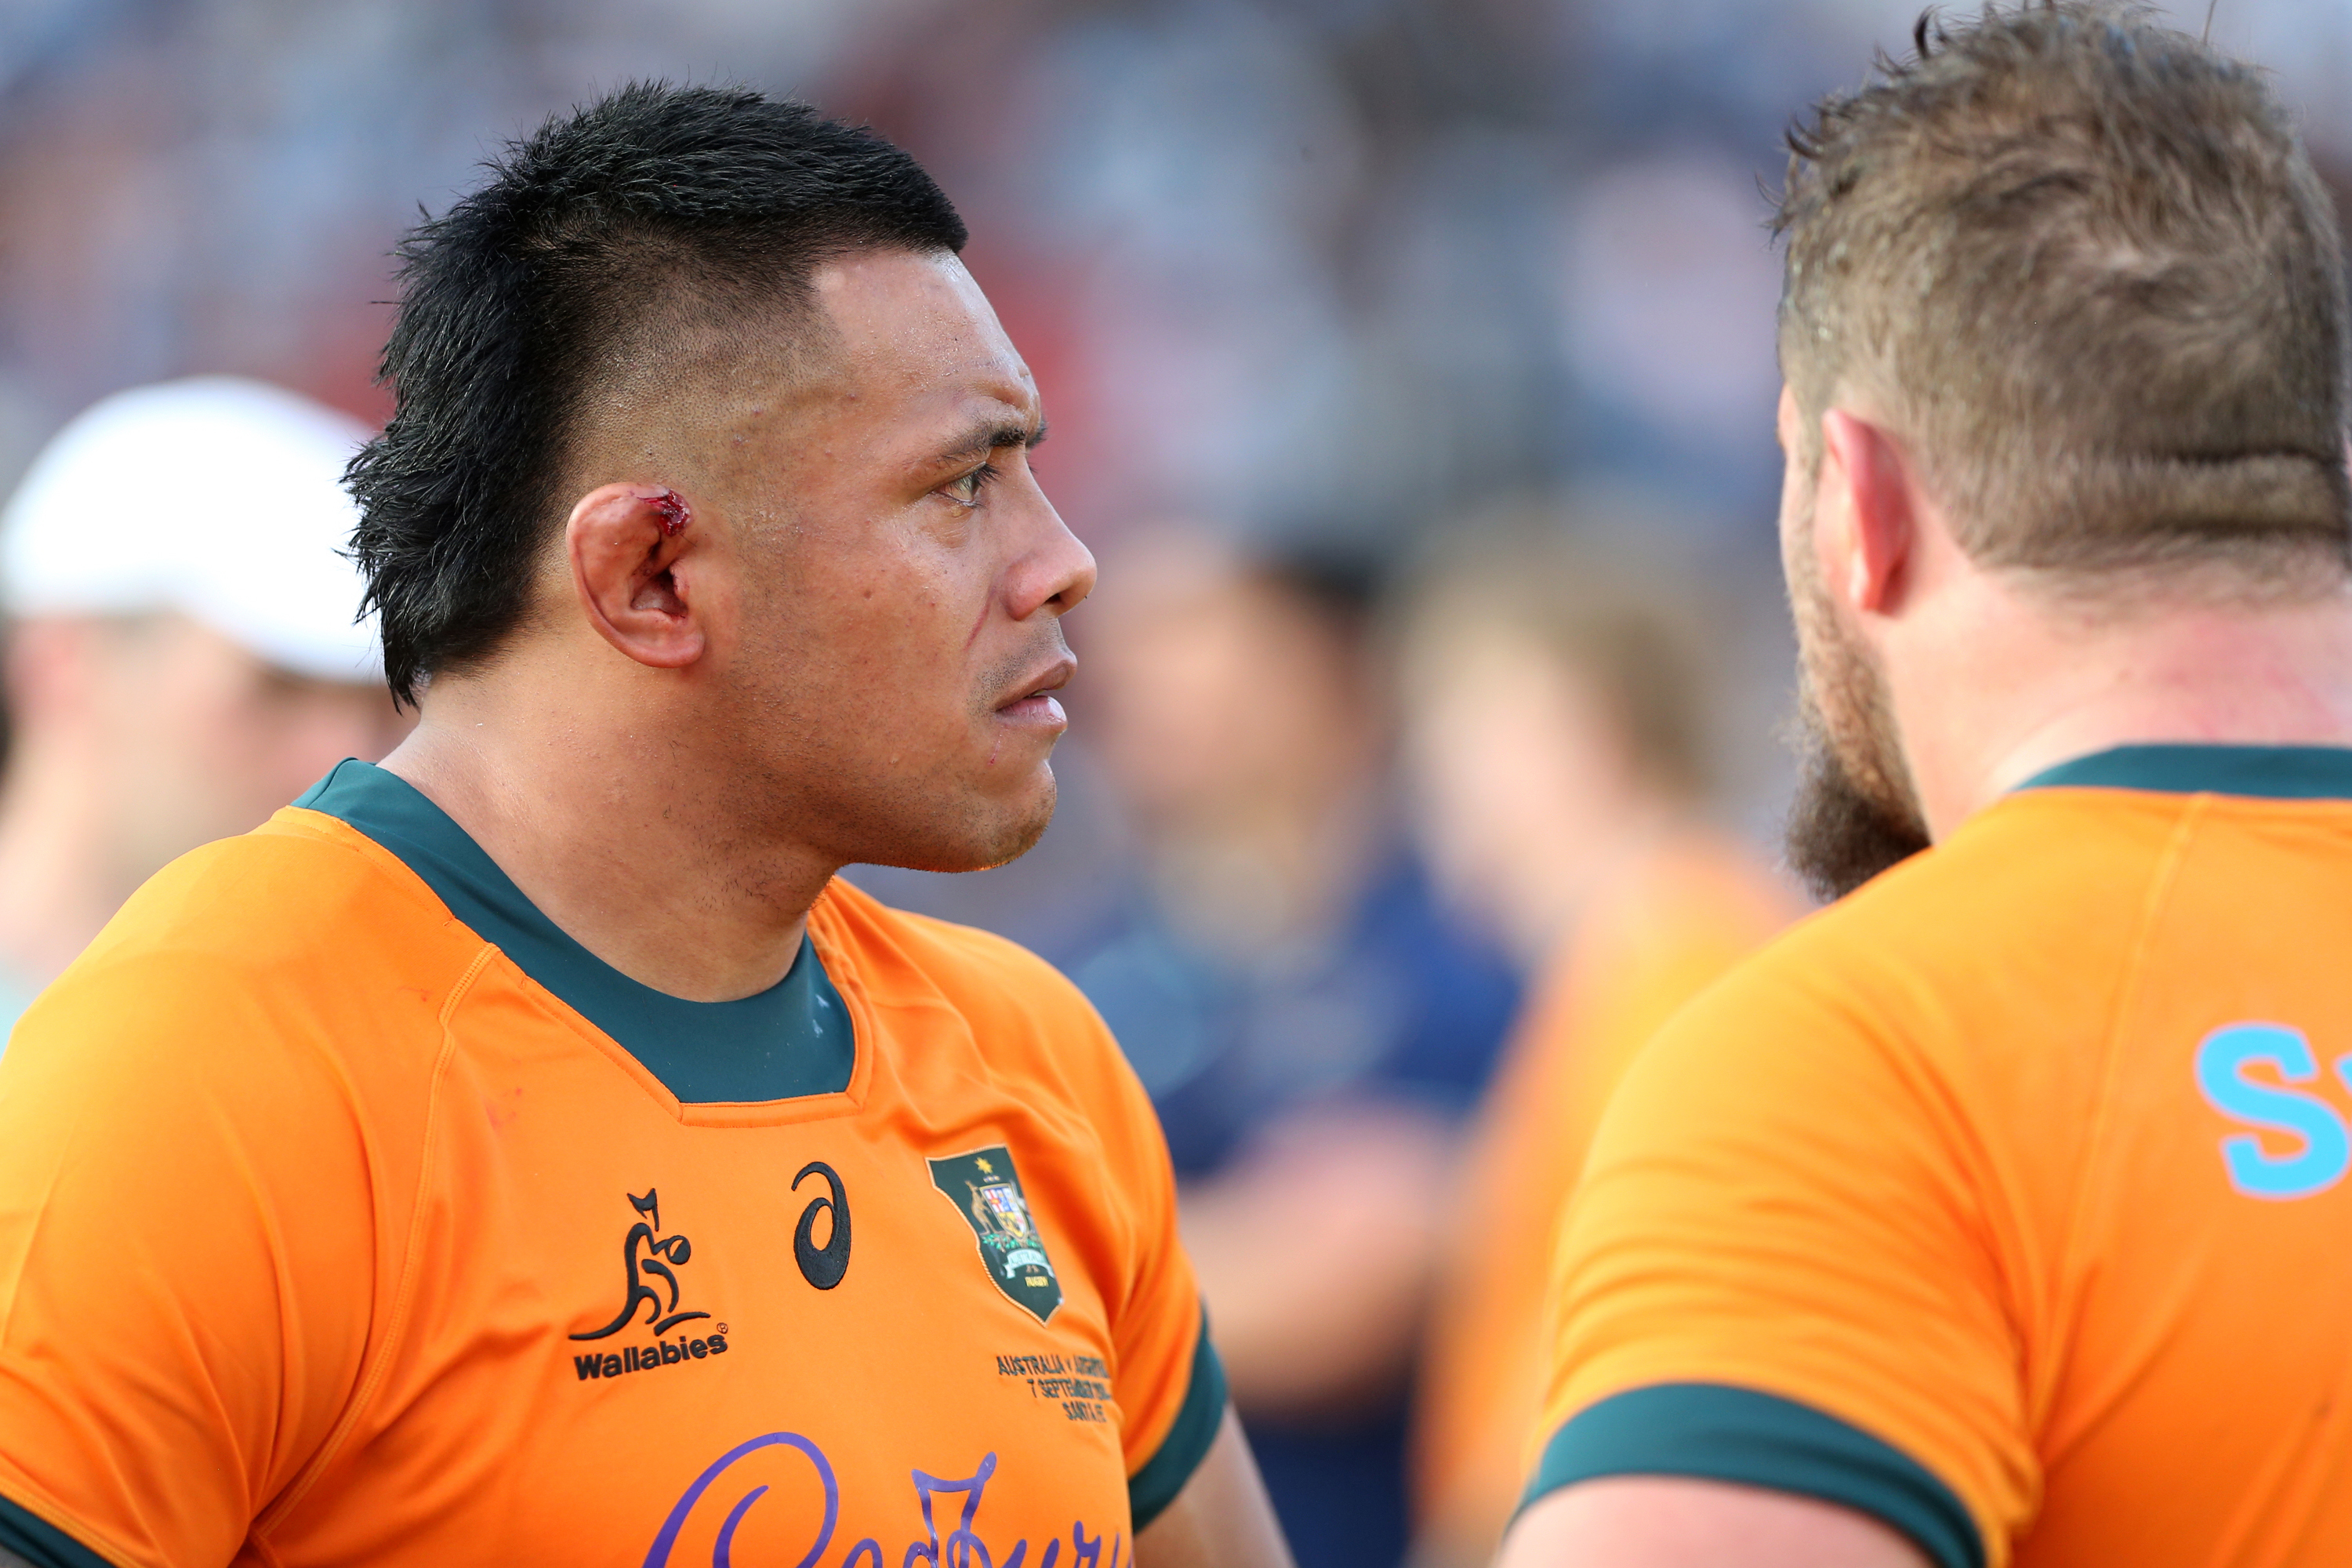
(1777,1273)
(1169,1384)
(185,1262)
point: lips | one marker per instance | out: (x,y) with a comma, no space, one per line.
(1031,701)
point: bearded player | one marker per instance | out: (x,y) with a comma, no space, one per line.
(527,1150)
(1998,1214)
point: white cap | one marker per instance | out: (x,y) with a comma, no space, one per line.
(214,496)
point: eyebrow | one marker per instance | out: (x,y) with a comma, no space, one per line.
(990,434)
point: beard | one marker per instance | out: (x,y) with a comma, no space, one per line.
(1856,813)
(1841,835)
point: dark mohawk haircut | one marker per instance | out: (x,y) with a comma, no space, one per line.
(612,231)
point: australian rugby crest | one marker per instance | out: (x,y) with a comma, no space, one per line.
(986,1190)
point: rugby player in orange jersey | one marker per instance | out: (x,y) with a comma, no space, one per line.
(527,1151)
(1998,1214)
(1557,688)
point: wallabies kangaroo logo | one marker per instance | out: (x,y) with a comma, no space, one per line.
(645,1253)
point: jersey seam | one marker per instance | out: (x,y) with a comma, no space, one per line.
(2155,899)
(372,1378)
(1155,1263)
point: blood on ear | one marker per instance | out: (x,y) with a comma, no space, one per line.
(675,513)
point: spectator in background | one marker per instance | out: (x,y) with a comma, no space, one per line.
(1556,734)
(182,654)
(1310,1025)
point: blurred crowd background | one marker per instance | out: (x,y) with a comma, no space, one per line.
(1411,370)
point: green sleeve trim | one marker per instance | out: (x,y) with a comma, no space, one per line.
(41,1543)
(1723,1434)
(1163,1475)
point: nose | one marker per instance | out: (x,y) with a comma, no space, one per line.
(1057,573)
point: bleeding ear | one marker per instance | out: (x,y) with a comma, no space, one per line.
(1867,495)
(624,543)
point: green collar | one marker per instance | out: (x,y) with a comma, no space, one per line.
(2265,773)
(793,1039)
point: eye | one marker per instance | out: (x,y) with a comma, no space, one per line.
(966,490)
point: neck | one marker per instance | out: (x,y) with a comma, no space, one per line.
(611,831)
(62,878)
(2038,686)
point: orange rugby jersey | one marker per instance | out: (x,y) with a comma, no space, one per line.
(1650,941)
(352,1214)
(2005,1199)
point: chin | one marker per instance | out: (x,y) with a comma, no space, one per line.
(987,833)
(1015,835)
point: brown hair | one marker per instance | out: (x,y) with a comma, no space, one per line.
(1636,629)
(2082,264)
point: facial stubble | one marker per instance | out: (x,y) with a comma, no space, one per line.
(1855,814)
(940,819)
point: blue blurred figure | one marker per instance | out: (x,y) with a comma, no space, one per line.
(1309,1024)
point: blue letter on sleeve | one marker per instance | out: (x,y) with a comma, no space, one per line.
(2326,1152)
